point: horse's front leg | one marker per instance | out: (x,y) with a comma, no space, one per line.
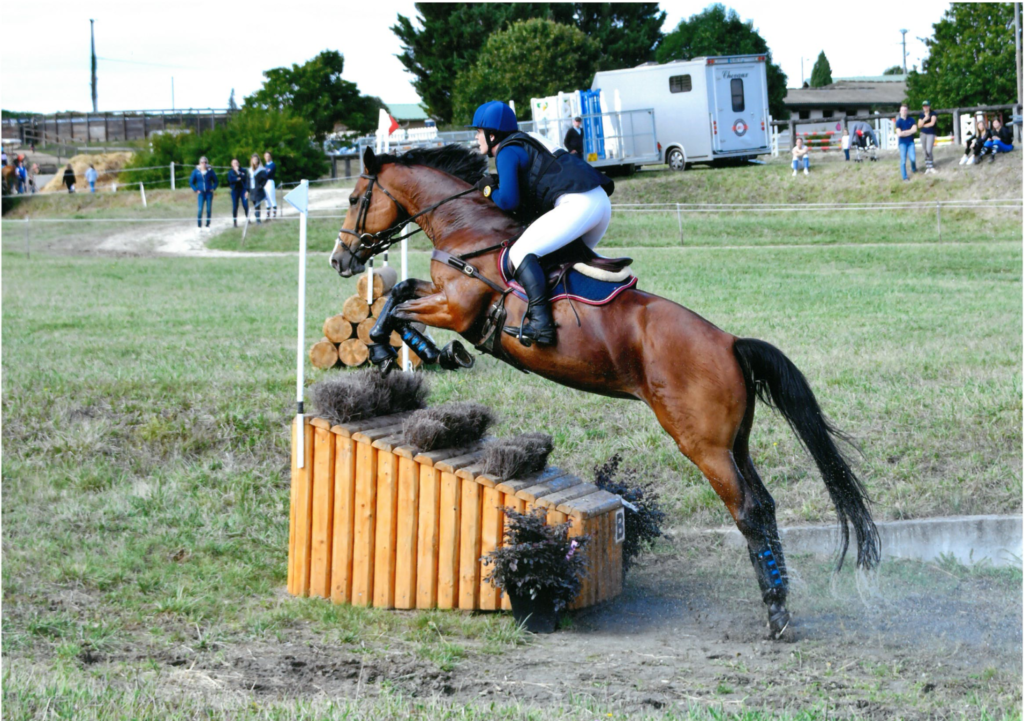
(399,313)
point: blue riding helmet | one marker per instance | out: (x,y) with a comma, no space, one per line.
(495,115)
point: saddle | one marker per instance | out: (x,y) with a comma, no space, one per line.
(577,256)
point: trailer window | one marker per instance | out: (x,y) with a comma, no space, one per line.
(680,84)
(736,85)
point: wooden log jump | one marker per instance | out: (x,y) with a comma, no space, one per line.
(376,523)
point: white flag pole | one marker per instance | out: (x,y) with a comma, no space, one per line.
(406,364)
(299,199)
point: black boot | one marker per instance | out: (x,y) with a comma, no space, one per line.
(538,325)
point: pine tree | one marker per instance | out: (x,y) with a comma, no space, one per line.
(821,75)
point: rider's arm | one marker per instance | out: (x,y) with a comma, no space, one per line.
(509,161)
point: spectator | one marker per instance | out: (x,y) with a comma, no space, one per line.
(203,181)
(906,127)
(976,143)
(3,157)
(271,187)
(1001,140)
(257,183)
(927,125)
(237,179)
(22,175)
(846,143)
(573,141)
(90,178)
(801,153)
(69,178)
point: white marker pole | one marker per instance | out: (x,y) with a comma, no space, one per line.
(142,189)
(299,199)
(406,363)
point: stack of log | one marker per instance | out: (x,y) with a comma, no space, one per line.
(347,335)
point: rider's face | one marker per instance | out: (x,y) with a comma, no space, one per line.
(481,140)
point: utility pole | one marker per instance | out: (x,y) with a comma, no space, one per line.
(1020,80)
(904,51)
(92,40)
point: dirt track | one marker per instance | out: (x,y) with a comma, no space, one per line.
(916,642)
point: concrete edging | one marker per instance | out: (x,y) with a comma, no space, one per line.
(996,540)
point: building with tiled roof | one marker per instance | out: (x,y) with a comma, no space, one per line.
(848,96)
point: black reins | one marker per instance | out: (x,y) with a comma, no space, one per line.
(374,243)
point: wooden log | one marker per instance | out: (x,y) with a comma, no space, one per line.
(384,280)
(396,340)
(407,534)
(378,306)
(344,505)
(323,509)
(387,518)
(301,512)
(469,543)
(323,354)
(353,352)
(491,526)
(364,524)
(426,543)
(355,309)
(363,330)
(337,329)
(448,542)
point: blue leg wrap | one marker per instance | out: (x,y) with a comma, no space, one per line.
(420,344)
(771,573)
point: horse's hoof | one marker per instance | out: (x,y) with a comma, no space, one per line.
(455,356)
(778,620)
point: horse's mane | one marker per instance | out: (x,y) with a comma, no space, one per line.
(457,160)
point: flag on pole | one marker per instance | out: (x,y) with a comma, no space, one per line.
(299,198)
(386,124)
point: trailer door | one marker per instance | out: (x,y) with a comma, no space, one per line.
(738,110)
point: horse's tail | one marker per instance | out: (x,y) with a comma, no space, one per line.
(782,386)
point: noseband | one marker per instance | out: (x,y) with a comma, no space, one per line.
(370,244)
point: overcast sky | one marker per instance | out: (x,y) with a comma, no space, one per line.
(211,47)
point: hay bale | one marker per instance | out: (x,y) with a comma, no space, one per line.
(347,397)
(448,425)
(517,456)
(104,164)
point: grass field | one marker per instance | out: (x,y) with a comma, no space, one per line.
(145,479)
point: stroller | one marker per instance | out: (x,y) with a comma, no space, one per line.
(863,140)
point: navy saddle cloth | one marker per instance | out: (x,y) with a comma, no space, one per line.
(573,285)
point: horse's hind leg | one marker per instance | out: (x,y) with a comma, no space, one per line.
(761,530)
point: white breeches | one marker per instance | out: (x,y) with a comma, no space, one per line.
(271,189)
(575,215)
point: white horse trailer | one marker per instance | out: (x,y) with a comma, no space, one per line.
(706,108)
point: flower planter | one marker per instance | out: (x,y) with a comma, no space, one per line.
(538,614)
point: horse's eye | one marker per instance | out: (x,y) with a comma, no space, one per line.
(353,201)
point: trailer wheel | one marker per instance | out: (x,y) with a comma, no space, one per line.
(676,159)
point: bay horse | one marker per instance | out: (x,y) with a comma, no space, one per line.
(700,381)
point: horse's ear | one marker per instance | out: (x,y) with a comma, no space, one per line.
(370,161)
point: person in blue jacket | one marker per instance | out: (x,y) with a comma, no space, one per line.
(203,181)
(558,195)
(270,187)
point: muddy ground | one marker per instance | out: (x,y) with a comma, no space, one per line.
(915,641)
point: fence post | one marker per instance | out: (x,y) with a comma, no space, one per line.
(172,175)
(679,219)
(956,127)
(142,189)
(938,217)
(27,254)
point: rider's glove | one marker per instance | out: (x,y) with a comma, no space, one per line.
(487,184)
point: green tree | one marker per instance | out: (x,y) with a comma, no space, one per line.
(894,70)
(251,130)
(450,36)
(532,58)
(821,74)
(316,91)
(970,59)
(719,31)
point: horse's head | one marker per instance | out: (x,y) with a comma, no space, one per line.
(373,218)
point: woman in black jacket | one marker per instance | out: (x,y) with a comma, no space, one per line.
(237,180)
(256,181)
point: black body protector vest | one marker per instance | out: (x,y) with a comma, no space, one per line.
(550,176)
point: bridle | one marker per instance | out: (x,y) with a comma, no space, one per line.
(370,244)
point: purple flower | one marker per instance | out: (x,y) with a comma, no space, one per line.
(572,549)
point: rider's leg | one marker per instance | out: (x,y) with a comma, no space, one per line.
(574,215)
(601,206)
